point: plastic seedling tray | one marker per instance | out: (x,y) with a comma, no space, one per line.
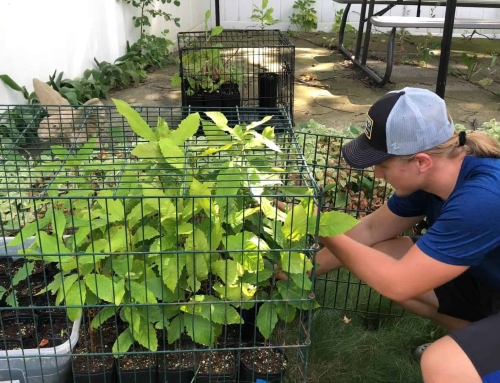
(36,365)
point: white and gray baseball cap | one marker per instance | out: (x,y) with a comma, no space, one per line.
(402,122)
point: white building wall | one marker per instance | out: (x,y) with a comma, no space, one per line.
(38,37)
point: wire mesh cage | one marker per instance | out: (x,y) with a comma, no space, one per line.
(358,193)
(252,68)
(140,244)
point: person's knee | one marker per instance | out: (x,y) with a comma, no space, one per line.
(455,367)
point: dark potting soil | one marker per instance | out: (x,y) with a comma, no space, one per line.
(264,361)
(84,364)
(17,329)
(216,362)
(175,361)
(57,327)
(25,290)
(90,342)
(137,361)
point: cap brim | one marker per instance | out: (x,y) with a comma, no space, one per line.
(360,155)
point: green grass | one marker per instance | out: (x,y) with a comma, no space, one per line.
(358,346)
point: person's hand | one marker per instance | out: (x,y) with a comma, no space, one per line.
(286,208)
(279,274)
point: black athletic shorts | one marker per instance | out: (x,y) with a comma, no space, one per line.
(464,298)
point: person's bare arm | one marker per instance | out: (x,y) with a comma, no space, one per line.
(379,226)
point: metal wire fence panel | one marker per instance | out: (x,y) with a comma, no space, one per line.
(237,68)
(140,244)
(358,193)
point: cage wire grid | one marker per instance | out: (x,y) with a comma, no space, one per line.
(358,193)
(100,219)
(237,68)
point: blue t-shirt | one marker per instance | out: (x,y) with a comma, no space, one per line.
(464,229)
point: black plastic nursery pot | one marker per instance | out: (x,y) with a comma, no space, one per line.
(105,375)
(179,375)
(149,375)
(268,90)
(265,364)
(177,366)
(216,366)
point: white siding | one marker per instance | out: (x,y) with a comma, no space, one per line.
(236,14)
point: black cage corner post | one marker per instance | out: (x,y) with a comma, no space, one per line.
(237,68)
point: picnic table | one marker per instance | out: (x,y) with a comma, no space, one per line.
(448,23)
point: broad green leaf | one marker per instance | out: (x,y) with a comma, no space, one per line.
(123,342)
(335,222)
(138,125)
(236,292)
(131,315)
(147,337)
(197,241)
(144,233)
(117,239)
(147,150)
(50,245)
(238,217)
(270,144)
(186,129)
(23,273)
(185,228)
(212,309)
(162,127)
(67,282)
(29,230)
(159,290)
(140,293)
(294,295)
(159,199)
(198,190)
(216,31)
(112,207)
(254,278)
(295,225)
(119,291)
(54,285)
(268,133)
(175,328)
(218,118)
(172,153)
(140,211)
(211,138)
(200,329)
(2,291)
(267,319)
(270,211)
(103,316)
(302,281)
(285,311)
(197,269)
(295,263)
(122,264)
(75,297)
(172,269)
(229,180)
(11,299)
(101,286)
(229,271)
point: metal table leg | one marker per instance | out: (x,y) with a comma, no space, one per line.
(449,20)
